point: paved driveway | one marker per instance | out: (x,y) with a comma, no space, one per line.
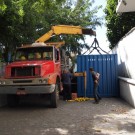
(110,116)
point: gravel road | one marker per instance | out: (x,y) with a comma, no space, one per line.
(34,117)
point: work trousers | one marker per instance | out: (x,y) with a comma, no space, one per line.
(96,94)
(66,91)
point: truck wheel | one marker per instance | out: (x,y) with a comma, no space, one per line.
(54,97)
(12,100)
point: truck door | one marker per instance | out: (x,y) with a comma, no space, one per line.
(57,60)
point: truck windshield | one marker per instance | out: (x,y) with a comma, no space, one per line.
(34,53)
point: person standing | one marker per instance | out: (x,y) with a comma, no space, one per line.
(66,81)
(95,77)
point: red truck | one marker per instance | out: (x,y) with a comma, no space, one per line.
(36,68)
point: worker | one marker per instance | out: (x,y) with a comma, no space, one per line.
(66,81)
(95,84)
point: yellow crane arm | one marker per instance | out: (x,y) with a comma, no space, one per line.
(45,37)
(65,29)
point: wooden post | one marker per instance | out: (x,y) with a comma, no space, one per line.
(85,81)
(77,74)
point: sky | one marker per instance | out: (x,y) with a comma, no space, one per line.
(100,31)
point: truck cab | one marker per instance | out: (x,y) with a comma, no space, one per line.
(36,69)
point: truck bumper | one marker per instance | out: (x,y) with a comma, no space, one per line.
(38,89)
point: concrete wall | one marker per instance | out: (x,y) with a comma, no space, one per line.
(127,90)
(125,50)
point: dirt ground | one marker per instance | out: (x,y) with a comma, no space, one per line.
(112,116)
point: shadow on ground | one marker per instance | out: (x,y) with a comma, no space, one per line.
(35,117)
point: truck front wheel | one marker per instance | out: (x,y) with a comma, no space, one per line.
(54,97)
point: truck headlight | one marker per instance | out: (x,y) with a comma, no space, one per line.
(4,82)
(45,81)
(40,81)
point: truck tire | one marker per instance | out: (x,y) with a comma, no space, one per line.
(12,100)
(55,97)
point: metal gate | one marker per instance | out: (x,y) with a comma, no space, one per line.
(106,65)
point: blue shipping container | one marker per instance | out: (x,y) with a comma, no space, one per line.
(106,65)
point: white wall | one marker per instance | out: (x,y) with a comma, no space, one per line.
(127,90)
(125,50)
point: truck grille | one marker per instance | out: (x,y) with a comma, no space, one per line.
(25,71)
(22,81)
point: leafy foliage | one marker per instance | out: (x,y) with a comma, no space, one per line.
(117,24)
(23,21)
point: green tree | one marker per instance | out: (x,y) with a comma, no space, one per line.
(11,15)
(75,13)
(19,19)
(117,24)
(23,21)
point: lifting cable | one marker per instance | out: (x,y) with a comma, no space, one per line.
(95,46)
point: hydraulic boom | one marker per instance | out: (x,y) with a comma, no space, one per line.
(65,29)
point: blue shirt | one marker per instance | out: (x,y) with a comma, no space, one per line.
(66,78)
